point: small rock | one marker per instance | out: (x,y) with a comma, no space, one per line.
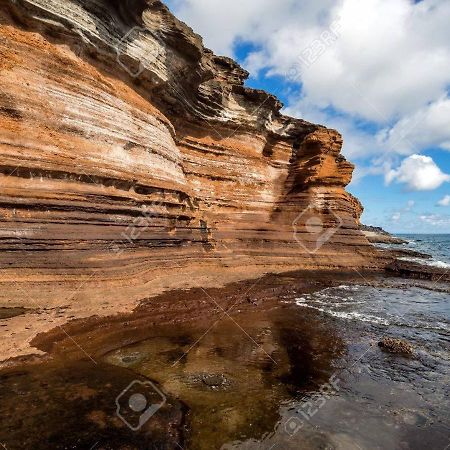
(253,302)
(213,380)
(396,346)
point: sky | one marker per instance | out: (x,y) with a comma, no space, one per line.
(378,71)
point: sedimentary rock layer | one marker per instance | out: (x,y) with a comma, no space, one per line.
(134,159)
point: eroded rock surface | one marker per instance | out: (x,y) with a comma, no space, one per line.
(396,345)
(377,235)
(135,160)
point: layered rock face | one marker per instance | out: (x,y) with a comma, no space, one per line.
(134,159)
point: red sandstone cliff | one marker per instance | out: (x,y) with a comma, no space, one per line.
(133,159)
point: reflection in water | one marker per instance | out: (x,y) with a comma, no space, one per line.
(234,383)
(72,406)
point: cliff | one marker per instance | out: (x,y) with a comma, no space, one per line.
(133,160)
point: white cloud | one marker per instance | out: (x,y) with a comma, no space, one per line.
(406,211)
(445,201)
(388,62)
(222,23)
(435,220)
(385,53)
(357,143)
(391,56)
(427,127)
(419,173)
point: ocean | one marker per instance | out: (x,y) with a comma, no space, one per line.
(416,401)
(436,245)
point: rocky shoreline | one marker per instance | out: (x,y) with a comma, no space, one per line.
(413,270)
(23,327)
(407,262)
(76,360)
(180,307)
(376,235)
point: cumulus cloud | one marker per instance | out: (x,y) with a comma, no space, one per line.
(390,57)
(223,23)
(435,220)
(427,127)
(418,173)
(445,201)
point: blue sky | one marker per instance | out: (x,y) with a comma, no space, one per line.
(378,71)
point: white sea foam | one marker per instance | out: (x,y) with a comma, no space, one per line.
(347,315)
(439,326)
(347,287)
(427,262)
